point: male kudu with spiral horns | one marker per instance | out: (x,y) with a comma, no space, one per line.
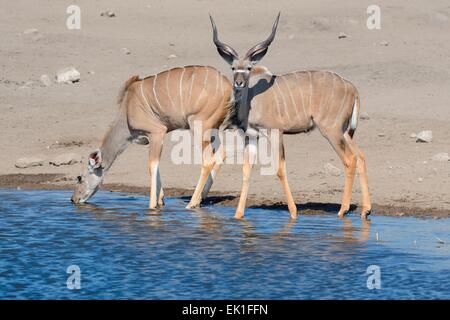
(294,103)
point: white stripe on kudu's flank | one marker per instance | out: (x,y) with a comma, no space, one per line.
(154,92)
(282,96)
(276,100)
(206,77)
(319,108)
(201,91)
(310,91)
(338,115)
(181,94)
(217,84)
(167,88)
(301,95)
(192,82)
(145,99)
(331,95)
(292,99)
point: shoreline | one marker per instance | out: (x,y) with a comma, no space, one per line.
(62,182)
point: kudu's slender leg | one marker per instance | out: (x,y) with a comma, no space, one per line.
(281,173)
(207,166)
(362,171)
(249,160)
(219,158)
(153,166)
(161,193)
(349,159)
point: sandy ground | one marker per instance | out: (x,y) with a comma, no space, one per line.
(404,86)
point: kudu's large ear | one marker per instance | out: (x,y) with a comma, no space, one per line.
(257,52)
(95,159)
(225,51)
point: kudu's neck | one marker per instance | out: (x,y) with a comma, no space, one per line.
(242,105)
(115,141)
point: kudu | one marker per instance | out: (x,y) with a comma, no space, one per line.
(150,108)
(294,103)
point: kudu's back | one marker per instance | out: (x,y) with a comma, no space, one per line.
(297,101)
(173,99)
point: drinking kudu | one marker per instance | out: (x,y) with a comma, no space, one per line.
(152,107)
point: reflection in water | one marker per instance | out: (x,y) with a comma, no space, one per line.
(348,231)
(126,251)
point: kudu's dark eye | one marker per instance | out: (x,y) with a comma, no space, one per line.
(79,179)
(232,68)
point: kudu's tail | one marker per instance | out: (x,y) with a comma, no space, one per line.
(354,118)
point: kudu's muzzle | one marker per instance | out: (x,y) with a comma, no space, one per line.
(239,84)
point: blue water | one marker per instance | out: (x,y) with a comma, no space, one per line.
(125,252)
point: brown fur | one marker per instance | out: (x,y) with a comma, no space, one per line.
(152,107)
(297,102)
(125,87)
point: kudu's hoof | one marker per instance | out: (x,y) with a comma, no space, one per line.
(192,205)
(293,214)
(342,213)
(366,213)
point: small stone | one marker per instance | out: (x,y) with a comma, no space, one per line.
(33,34)
(425,136)
(381,134)
(291,36)
(38,36)
(68,75)
(321,24)
(332,170)
(443,156)
(172,56)
(126,51)
(342,35)
(91,72)
(420,180)
(45,80)
(364,116)
(31,31)
(384,43)
(66,159)
(413,135)
(441,17)
(28,162)
(26,85)
(108,14)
